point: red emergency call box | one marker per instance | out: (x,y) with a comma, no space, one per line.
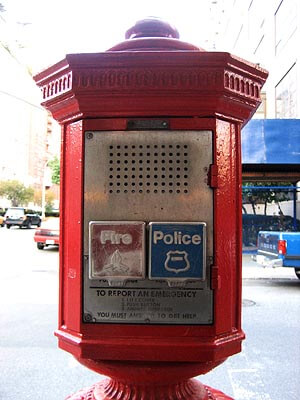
(150,248)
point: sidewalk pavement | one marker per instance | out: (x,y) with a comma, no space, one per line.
(252,270)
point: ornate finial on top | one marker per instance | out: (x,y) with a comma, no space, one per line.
(152,27)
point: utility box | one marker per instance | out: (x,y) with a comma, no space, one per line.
(150,251)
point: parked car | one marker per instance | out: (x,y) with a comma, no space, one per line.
(1,221)
(279,249)
(21,217)
(46,237)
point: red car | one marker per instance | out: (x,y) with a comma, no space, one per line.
(46,237)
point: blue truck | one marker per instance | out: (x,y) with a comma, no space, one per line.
(279,249)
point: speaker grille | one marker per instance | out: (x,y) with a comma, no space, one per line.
(148,168)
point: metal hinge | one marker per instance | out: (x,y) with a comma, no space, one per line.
(215,278)
(213,176)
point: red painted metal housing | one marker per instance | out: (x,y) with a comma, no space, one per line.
(153,342)
(193,90)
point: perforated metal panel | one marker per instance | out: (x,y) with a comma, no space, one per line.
(148,176)
(148,168)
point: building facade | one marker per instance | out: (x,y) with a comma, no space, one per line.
(268,33)
(29,136)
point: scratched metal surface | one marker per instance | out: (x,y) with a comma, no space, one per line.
(148,176)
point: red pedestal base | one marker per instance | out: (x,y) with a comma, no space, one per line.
(136,380)
(109,389)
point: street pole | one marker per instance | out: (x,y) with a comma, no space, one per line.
(44,190)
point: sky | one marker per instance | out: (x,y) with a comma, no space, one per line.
(50,29)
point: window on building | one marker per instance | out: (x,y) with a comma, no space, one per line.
(261,112)
(286,95)
(256,27)
(285,24)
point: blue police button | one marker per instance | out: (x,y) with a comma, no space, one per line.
(177,250)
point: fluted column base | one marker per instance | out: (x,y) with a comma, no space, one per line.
(110,389)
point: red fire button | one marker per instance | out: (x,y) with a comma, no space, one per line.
(117,250)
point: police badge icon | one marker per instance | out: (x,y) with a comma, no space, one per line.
(177,261)
(177,251)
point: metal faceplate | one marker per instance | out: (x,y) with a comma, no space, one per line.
(147,176)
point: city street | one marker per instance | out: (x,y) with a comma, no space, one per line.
(32,367)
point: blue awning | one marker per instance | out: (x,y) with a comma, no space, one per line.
(271,141)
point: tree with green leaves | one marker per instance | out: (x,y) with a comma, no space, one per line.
(54,164)
(16,192)
(264,196)
(49,199)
